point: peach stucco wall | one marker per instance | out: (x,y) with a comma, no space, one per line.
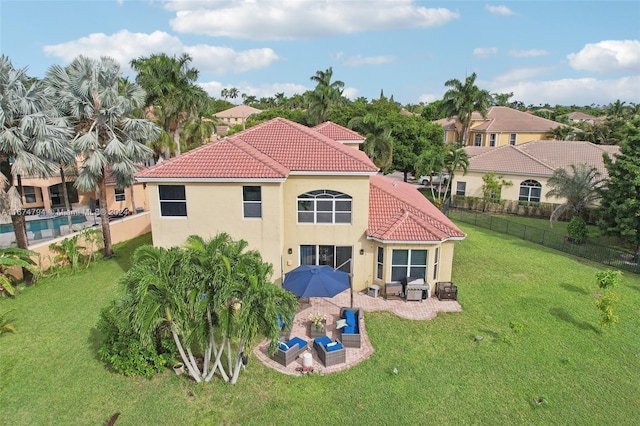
(474,186)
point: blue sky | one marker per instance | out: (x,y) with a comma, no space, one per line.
(573,52)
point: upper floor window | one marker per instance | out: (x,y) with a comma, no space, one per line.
(173,200)
(477,139)
(461,188)
(324,206)
(252,201)
(408,263)
(512,139)
(492,139)
(29,194)
(119,194)
(530,190)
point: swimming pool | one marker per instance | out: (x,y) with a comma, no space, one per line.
(37,225)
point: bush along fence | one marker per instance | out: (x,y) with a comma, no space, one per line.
(602,254)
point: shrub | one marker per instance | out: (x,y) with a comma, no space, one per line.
(577,230)
(606,305)
(122,350)
(608,279)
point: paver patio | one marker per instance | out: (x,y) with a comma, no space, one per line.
(330,307)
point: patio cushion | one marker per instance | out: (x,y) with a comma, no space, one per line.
(301,343)
(324,341)
(350,329)
(283,346)
(334,347)
(350,316)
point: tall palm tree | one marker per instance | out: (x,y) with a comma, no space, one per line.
(325,95)
(233,93)
(578,186)
(27,122)
(106,138)
(11,258)
(456,159)
(461,100)
(198,131)
(378,144)
(170,84)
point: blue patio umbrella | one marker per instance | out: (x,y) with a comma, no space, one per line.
(316,281)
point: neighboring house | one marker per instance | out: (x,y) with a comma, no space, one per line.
(233,116)
(118,199)
(581,117)
(340,134)
(528,166)
(300,197)
(502,126)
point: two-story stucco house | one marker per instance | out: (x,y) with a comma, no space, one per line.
(502,126)
(301,197)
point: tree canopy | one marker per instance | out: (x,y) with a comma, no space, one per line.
(461,100)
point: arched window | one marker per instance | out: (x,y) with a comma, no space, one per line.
(324,206)
(530,190)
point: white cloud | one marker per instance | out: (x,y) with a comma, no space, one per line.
(350,93)
(124,46)
(485,52)
(499,10)
(608,56)
(569,91)
(358,60)
(531,53)
(429,97)
(293,19)
(519,74)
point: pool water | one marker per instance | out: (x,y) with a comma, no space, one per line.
(38,225)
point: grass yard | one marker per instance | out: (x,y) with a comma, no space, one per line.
(50,374)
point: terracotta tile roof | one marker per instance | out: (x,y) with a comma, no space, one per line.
(580,116)
(238,112)
(338,132)
(505,119)
(271,150)
(475,150)
(541,157)
(399,212)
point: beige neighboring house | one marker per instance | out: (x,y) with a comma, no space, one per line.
(528,166)
(299,196)
(502,126)
(233,116)
(581,117)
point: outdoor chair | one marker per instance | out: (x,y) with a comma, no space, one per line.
(330,353)
(350,334)
(446,290)
(288,351)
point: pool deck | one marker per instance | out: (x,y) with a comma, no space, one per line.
(330,307)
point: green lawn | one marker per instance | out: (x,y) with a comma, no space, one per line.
(49,372)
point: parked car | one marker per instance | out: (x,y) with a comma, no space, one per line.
(435,179)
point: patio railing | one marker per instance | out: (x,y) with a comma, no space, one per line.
(609,256)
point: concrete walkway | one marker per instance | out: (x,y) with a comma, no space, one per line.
(330,307)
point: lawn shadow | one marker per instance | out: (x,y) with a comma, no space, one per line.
(574,288)
(95,341)
(488,335)
(565,316)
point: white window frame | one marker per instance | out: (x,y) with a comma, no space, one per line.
(492,139)
(119,195)
(29,193)
(322,197)
(436,260)
(380,263)
(477,139)
(248,204)
(530,185)
(464,188)
(410,266)
(172,201)
(513,137)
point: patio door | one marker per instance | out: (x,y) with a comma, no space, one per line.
(335,256)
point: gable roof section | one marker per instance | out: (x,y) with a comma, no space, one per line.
(398,212)
(505,119)
(238,111)
(338,132)
(541,157)
(271,150)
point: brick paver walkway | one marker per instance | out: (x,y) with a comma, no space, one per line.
(413,310)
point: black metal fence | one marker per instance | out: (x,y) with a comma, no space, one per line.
(615,258)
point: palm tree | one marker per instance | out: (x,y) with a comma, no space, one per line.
(561,133)
(579,187)
(198,131)
(87,91)
(233,93)
(171,85)
(325,95)
(456,159)
(27,122)
(616,109)
(378,144)
(11,258)
(249,99)
(461,100)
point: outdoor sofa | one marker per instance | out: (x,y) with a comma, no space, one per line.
(288,351)
(350,335)
(330,353)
